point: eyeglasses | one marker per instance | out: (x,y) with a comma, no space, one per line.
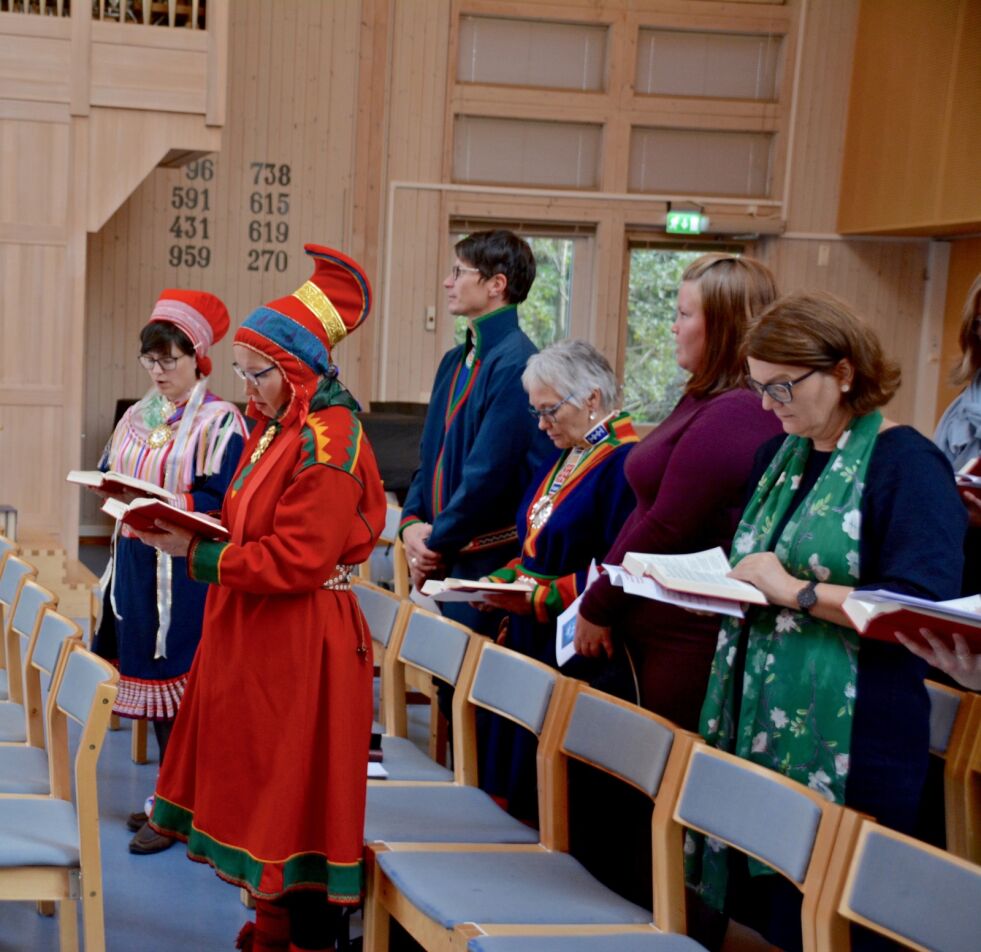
(782,392)
(459,269)
(164,363)
(549,412)
(253,378)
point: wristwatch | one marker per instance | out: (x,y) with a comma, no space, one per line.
(807,597)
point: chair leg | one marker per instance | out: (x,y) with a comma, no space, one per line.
(247,899)
(45,907)
(138,742)
(114,722)
(438,733)
(93,919)
(68,927)
(376,922)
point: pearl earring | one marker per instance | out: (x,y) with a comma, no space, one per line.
(592,416)
(845,387)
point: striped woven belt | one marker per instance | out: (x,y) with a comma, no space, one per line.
(340,581)
(491,540)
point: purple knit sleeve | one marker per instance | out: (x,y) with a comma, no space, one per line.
(705,475)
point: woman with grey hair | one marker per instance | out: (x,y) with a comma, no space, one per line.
(570,515)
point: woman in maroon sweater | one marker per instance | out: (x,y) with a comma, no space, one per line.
(689,478)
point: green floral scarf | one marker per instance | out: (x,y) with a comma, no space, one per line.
(798,690)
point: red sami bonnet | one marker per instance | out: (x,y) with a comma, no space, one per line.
(201,316)
(299,331)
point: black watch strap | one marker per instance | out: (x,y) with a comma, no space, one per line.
(807,597)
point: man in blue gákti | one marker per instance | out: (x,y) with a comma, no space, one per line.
(479,446)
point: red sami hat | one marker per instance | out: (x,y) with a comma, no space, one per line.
(202,317)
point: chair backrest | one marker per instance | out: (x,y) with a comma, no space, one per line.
(393,516)
(945,704)
(7,547)
(25,620)
(435,645)
(513,685)
(916,894)
(380,609)
(12,576)
(765,815)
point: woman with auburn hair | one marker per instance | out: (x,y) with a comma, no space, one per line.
(848,499)
(688,476)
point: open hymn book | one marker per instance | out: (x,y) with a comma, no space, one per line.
(111,482)
(470,590)
(878,614)
(142,514)
(696,580)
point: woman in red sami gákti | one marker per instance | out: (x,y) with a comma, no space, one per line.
(267,773)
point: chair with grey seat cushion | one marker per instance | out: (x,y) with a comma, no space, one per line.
(504,682)
(915,894)
(24,768)
(21,713)
(765,815)
(49,846)
(955,722)
(14,572)
(446,897)
(428,647)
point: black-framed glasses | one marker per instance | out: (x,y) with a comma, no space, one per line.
(459,269)
(164,363)
(782,392)
(253,378)
(549,412)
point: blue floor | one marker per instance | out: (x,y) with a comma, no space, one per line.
(157,903)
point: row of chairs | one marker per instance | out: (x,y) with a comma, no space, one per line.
(458,872)
(49,833)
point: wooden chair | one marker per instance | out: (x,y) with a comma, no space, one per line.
(972,791)
(49,845)
(414,812)
(21,713)
(915,894)
(386,615)
(955,725)
(426,647)
(446,895)
(13,572)
(7,547)
(24,767)
(389,536)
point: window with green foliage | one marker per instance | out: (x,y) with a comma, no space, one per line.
(653,382)
(546,314)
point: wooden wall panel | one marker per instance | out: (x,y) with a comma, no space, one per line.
(965,266)
(882,280)
(292,101)
(41,198)
(821,112)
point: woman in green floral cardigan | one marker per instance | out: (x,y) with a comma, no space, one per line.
(848,499)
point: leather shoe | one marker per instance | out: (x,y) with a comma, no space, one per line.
(135,821)
(148,840)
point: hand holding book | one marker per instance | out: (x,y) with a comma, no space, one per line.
(957,661)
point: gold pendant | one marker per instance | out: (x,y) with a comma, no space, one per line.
(541,511)
(159,436)
(267,437)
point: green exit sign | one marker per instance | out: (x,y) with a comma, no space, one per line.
(685,223)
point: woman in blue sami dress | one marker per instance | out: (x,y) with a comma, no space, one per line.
(569,516)
(181,437)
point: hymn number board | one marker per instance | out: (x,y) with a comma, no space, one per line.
(267,210)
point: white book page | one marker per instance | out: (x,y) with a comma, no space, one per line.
(710,566)
(968,607)
(646,587)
